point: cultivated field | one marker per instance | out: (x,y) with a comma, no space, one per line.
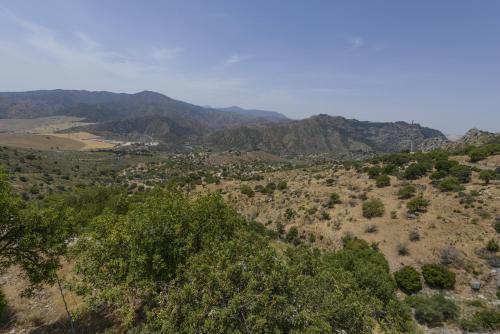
(40,125)
(40,142)
(43,134)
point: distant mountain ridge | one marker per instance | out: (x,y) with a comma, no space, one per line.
(325,134)
(106,106)
(125,116)
(177,124)
(270,115)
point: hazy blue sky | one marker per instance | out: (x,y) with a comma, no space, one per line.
(436,62)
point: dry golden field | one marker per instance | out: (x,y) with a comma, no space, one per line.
(43,134)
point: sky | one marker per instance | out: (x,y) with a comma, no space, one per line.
(434,62)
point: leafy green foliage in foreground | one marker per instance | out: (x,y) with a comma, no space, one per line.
(194,265)
(31,237)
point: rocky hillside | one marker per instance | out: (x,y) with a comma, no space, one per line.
(477,137)
(326,134)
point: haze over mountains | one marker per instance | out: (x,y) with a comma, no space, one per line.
(177,123)
(268,115)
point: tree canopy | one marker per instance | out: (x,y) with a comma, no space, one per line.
(195,265)
(31,237)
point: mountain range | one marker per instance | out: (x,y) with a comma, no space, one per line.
(268,115)
(325,134)
(178,123)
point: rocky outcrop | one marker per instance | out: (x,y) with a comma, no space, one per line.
(476,137)
(326,134)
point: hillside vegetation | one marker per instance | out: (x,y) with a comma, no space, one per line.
(151,253)
(148,241)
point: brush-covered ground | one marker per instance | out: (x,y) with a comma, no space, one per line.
(434,217)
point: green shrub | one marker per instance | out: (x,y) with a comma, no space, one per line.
(418,204)
(332,200)
(397,159)
(390,169)
(415,171)
(335,198)
(461,172)
(374,171)
(383,181)
(443,165)
(487,176)
(433,310)
(293,233)
(438,175)
(492,246)
(408,280)
(407,191)
(373,208)
(282,185)
(450,183)
(477,154)
(438,276)
(246,190)
(483,320)
(269,188)
(34,189)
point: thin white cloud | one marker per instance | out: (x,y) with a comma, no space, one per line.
(87,41)
(37,57)
(236,58)
(356,42)
(164,54)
